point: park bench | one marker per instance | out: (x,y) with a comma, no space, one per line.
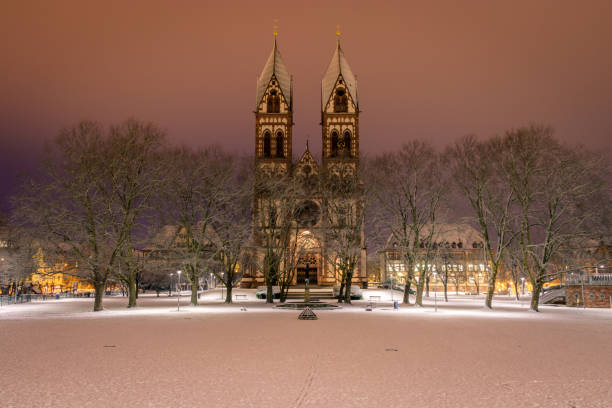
(372,304)
(240,296)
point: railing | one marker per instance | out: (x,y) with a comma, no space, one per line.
(589,279)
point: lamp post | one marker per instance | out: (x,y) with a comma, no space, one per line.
(307,281)
(178,299)
(170,286)
(523,284)
(391,285)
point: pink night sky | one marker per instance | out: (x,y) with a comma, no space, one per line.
(435,70)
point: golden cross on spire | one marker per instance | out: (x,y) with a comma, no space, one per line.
(338,30)
(275,27)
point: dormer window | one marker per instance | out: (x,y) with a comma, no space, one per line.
(340,100)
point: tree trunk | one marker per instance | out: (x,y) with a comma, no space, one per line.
(194,294)
(420,287)
(427,285)
(491,288)
(132,289)
(516,289)
(535,297)
(406,300)
(347,293)
(445,283)
(99,294)
(228,295)
(341,294)
(269,294)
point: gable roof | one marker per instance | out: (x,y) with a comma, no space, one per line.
(338,66)
(274,67)
(307,158)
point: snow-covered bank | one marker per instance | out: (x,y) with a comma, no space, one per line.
(61,354)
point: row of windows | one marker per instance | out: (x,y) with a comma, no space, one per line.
(267,144)
(340,101)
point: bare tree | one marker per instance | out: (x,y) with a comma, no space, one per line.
(475,166)
(197,185)
(232,225)
(275,207)
(132,175)
(343,199)
(88,198)
(555,187)
(410,193)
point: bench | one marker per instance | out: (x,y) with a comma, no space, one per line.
(375,298)
(240,296)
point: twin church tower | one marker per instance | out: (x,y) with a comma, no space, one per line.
(340,155)
(274,114)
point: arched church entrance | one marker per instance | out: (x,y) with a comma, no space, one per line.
(309,259)
(307,268)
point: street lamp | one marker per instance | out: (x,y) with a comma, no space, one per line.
(523,284)
(170,286)
(178,299)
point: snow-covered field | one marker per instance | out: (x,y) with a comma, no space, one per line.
(60,354)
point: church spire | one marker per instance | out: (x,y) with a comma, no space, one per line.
(275,67)
(338,66)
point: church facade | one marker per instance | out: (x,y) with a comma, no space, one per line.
(340,155)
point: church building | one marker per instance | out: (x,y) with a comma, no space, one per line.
(340,154)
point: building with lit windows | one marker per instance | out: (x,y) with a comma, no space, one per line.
(458,255)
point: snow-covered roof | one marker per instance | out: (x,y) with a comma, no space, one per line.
(338,66)
(449,233)
(464,233)
(274,67)
(169,236)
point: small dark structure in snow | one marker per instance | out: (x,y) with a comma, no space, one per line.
(307,314)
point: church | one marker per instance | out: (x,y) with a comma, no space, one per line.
(340,154)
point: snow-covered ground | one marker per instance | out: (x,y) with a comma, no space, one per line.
(60,354)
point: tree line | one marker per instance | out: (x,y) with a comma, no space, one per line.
(123,204)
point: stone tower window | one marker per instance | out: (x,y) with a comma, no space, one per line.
(340,100)
(280,148)
(347,142)
(334,144)
(273,103)
(266,144)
